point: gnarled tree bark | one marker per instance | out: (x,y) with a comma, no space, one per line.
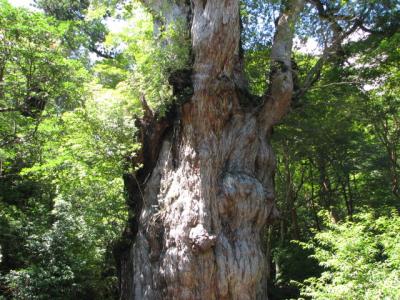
(206,188)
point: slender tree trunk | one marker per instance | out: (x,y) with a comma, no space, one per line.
(290,195)
(2,69)
(390,142)
(351,196)
(206,188)
(268,253)
(347,194)
(312,197)
(326,192)
(394,171)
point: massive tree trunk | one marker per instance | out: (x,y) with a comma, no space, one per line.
(206,188)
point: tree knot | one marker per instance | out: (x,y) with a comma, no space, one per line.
(200,239)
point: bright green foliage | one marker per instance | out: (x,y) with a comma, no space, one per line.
(37,81)
(151,54)
(360,259)
(32,63)
(36,78)
(64,140)
(82,160)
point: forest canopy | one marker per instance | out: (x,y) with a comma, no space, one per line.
(86,85)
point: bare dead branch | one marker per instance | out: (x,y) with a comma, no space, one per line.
(148,112)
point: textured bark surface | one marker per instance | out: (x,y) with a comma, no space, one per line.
(211,190)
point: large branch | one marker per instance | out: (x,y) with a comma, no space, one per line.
(279,94)
(339,35)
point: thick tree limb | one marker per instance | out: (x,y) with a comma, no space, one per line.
(279,94)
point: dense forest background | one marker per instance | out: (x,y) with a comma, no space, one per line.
(73,78)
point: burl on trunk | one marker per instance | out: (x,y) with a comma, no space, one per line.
(206,187)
